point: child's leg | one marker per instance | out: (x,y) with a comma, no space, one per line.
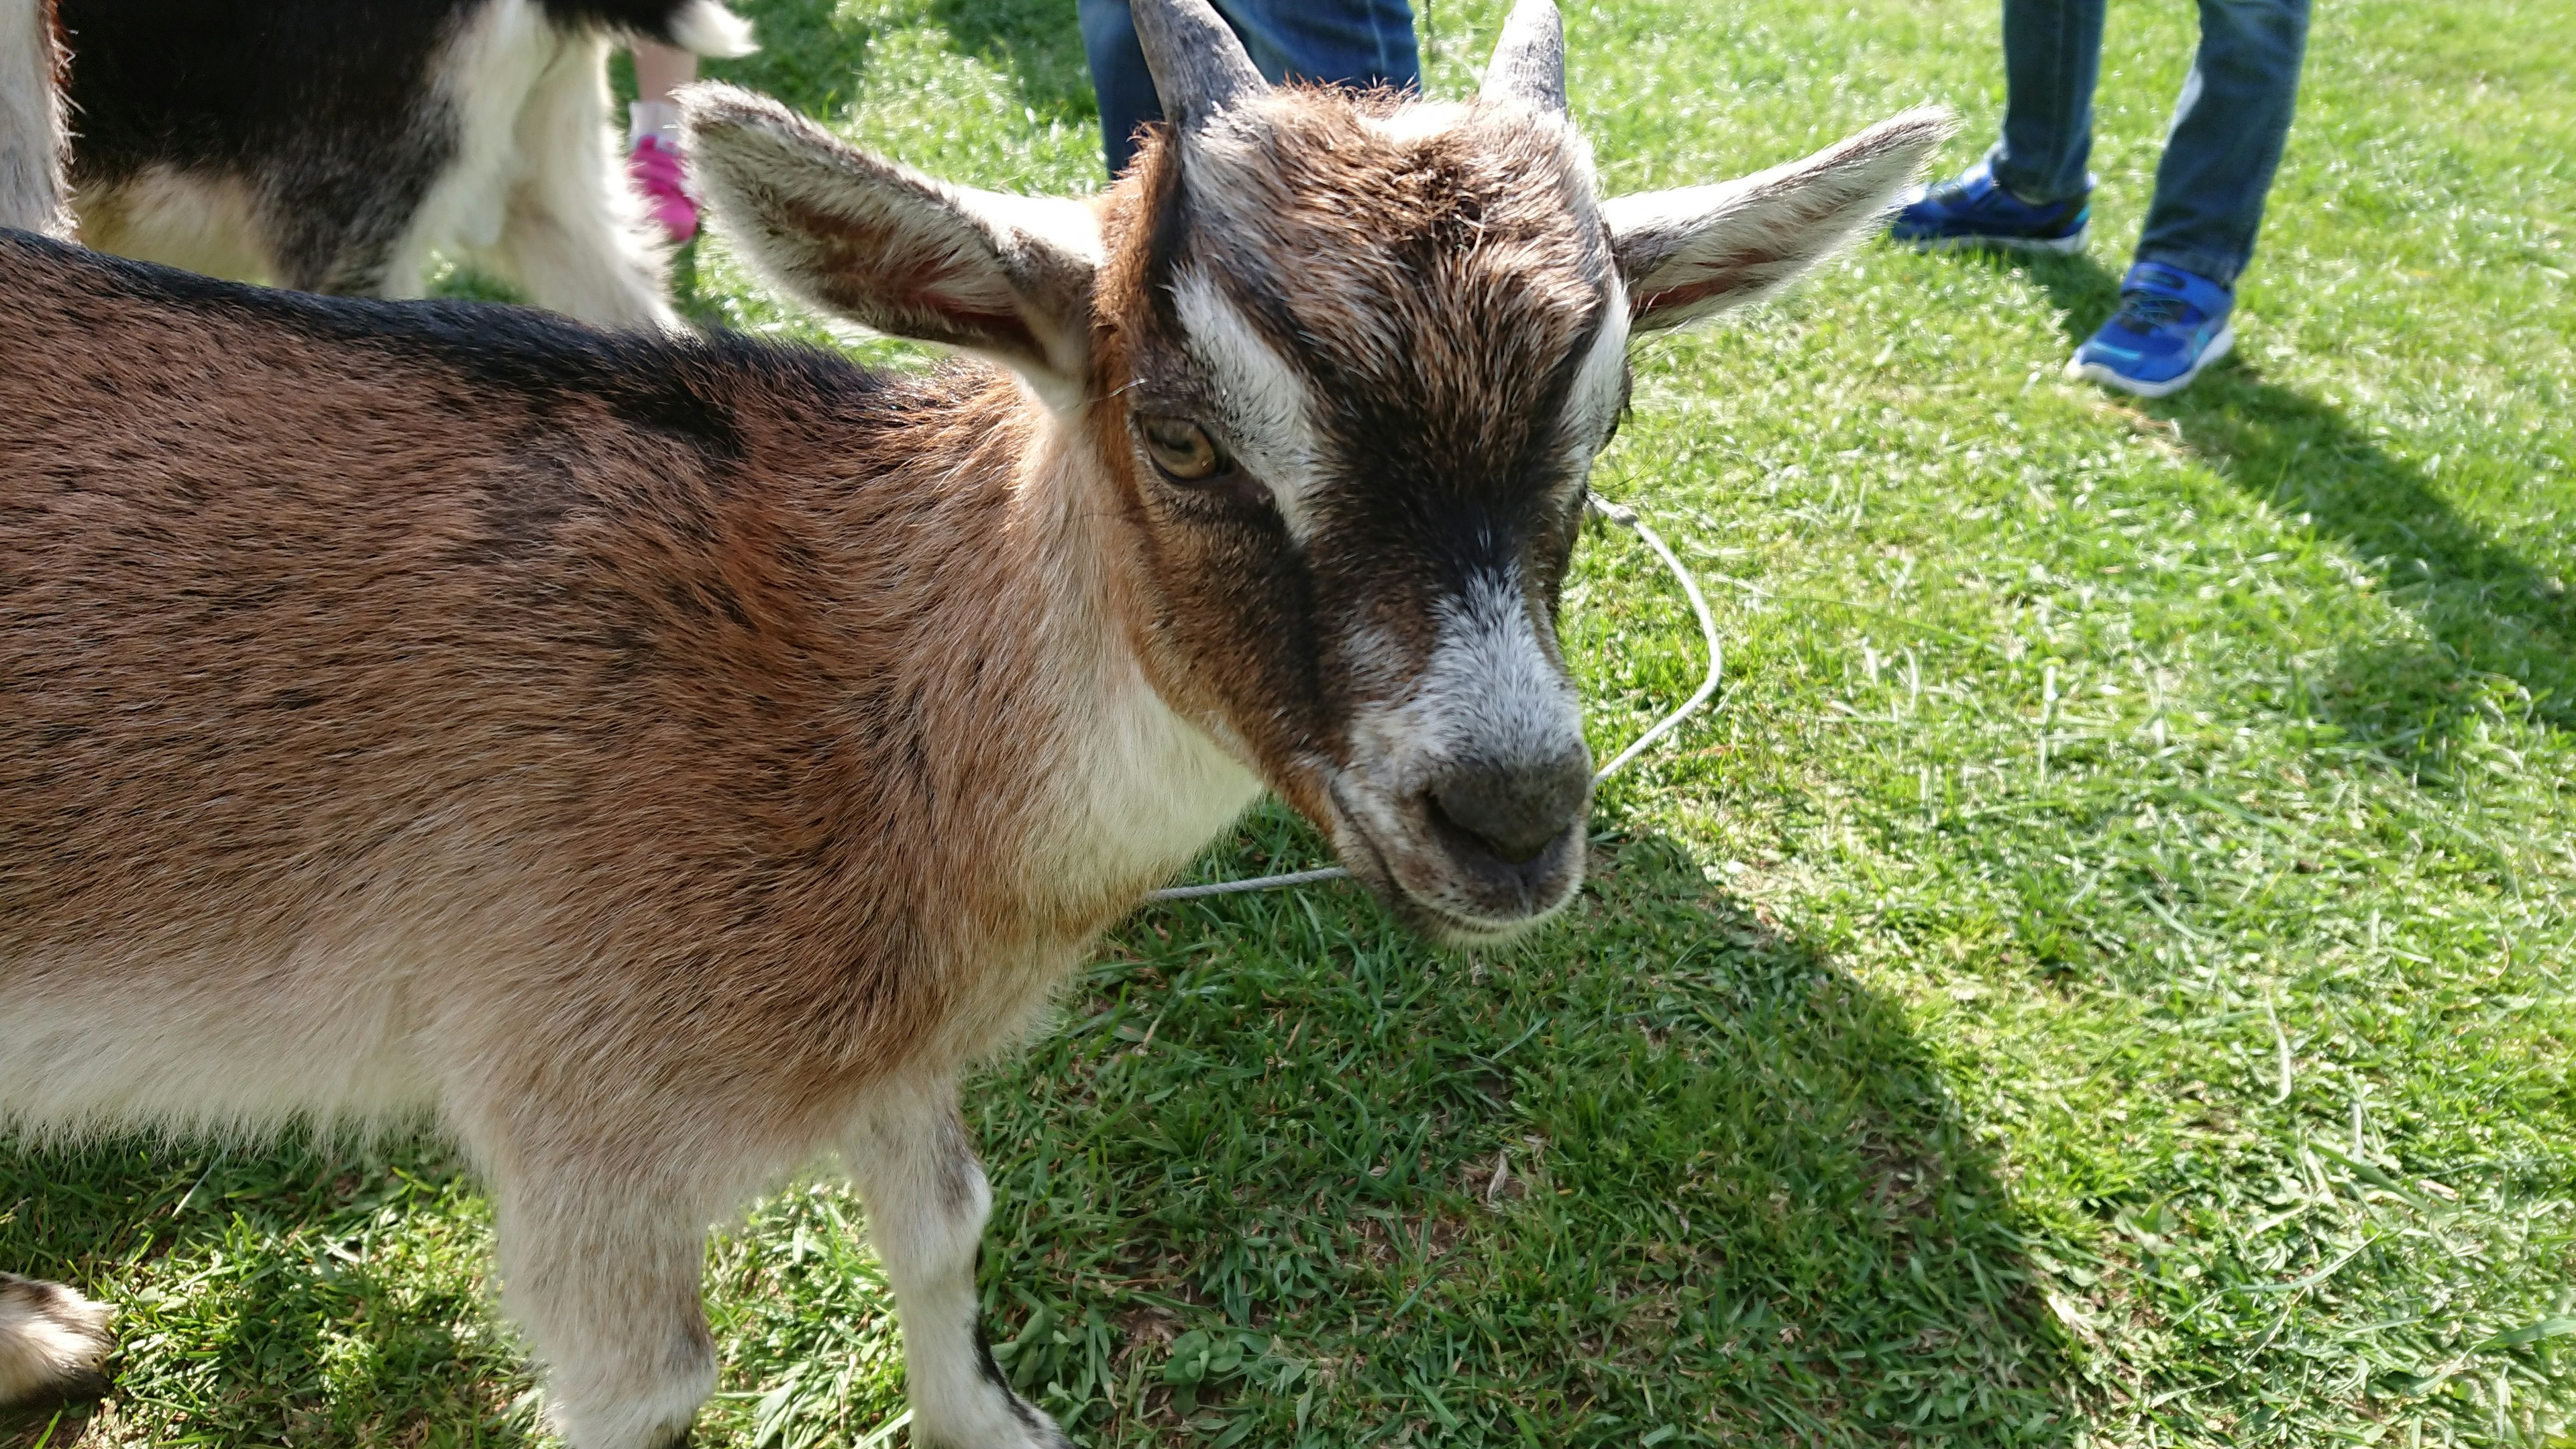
(660,70)
(653,136)
(1344,42)
(2228,131)
(2052,58)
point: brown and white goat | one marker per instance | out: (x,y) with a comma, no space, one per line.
(658,762)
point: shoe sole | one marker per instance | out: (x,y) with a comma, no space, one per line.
(2055,245)
(2219,346)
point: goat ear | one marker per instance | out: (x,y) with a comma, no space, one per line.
(1686,254)
(880,244)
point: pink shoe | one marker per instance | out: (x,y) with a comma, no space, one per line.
(654,167)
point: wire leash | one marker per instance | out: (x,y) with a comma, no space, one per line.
(1627,518)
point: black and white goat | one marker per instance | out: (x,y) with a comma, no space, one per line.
(334,145)
(657,762)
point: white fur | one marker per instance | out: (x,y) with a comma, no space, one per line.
(76,1054)
(576,235)
(927,1200)
(628,1356)
(600,1254)
(1149,791)
(1070,229)
(205,223)
(485,77)
(48,1335)
(1600,382)
(198,1054)
(1146,789)
(706,28)
(1493,688)
(1411,125)
(535,190)
(31,124)
(1266,413)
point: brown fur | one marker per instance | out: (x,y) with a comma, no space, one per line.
(633,800)
(675,699)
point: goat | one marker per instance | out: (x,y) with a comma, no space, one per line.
(333,145)
(659,761)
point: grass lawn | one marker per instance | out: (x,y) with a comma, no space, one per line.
(2101,974)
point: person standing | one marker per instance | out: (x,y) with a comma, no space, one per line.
(2032,191)
(1342,42)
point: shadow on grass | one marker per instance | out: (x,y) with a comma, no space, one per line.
(1038,42)
(1661,1170)
(814,52)
(2488,609)
(288,1297)
(812,55)
(1661,1166)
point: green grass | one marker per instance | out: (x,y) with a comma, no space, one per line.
(2100,975)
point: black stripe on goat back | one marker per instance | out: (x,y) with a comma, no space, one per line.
(685,388)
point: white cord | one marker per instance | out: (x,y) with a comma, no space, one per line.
(1251,883)
(1621,514)
(1625,517)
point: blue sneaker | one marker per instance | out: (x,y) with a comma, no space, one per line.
(2171,324)
(1974,210)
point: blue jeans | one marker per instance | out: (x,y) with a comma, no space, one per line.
(1345,42)
(2227,131)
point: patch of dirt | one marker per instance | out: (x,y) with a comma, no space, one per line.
(1142,1329)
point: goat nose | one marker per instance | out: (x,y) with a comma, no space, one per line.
(1516,810)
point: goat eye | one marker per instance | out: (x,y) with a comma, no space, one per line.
(1182,449)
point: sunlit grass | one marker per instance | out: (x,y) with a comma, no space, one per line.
(2099,976)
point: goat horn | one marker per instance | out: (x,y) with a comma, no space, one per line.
(1529,61)
(1199,67)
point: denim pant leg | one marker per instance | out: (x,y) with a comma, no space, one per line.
(1346,42)
(2052,58)
(2228,131)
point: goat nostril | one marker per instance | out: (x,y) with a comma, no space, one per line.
(1515,813)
